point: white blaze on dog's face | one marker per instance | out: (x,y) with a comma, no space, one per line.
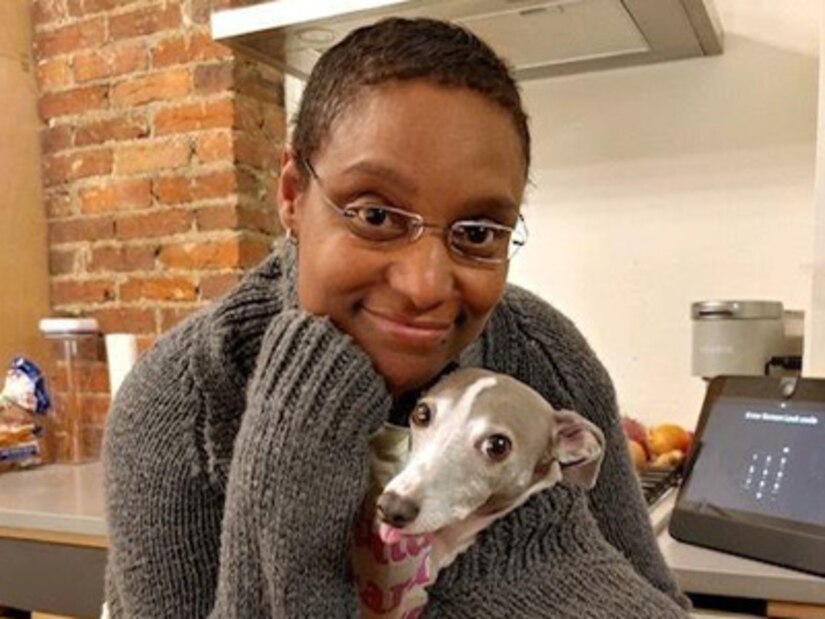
(480,441)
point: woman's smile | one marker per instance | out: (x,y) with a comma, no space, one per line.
(406,331)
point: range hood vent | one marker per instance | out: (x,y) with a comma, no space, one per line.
(540,38)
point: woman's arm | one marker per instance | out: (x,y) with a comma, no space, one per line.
(555,359)
(547,559)
(298,475)
(608,590)
(275,541)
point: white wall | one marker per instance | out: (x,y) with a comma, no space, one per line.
(815,336)
(657,186)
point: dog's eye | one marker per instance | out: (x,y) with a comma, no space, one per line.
(421,415)
(497,447)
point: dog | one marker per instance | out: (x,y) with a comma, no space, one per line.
(479,445)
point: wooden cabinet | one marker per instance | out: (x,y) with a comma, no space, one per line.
(23,254)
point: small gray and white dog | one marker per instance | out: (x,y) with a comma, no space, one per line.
(481,444)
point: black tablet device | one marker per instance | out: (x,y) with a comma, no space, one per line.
(755,479)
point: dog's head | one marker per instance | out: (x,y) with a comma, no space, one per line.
(480,443)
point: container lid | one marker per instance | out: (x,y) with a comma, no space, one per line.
(736,310)
(69,326)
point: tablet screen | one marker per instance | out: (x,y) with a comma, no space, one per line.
(763,456)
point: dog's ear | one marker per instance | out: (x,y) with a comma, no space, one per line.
(578,445)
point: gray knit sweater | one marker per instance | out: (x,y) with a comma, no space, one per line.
(236,462)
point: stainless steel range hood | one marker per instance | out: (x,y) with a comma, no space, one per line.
(539,37)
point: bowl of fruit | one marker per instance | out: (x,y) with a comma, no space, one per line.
(661,446)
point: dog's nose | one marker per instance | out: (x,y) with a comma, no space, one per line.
(396,510)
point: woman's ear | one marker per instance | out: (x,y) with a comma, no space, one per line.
(290,188)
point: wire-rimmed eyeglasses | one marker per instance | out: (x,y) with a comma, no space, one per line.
(478,241)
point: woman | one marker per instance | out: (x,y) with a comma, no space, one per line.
(236,453)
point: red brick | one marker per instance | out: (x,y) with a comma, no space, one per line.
(110,61)
(219,217)
(185,49)
(120,128)
(153,225)
(90,377)
(210,255)
(200,10)
(204,255)
(75,230)
(93,407)
(257,219)
(62,168)
(194,117)
(172,316)
(169,85)
(72,101)
(151,156)
(145,21)
(215,146)
(46,11)
(259,81)
(116,196)
(213,78)
(249,113)
(135,258)
(255,150)
(179,189)
(54,74)
(58,204)
(275,124)
(214,286)
(249,182)
(62,262)
(74,292)
(54,139)
(79,8)
(124,320)
(81,35)
(158,289)
(94,377)
(145,342)
(236,217)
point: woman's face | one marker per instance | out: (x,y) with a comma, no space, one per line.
(444,153)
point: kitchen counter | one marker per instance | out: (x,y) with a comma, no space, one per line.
(53,539)
(787,593)
(56,500)
(53,548)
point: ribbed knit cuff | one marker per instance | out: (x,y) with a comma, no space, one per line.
(300,471)
(325,385)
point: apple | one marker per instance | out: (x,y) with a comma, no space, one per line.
(668,437)
(637,454)
(635,431)
(669,459)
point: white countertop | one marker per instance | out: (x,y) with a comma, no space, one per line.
(58,498)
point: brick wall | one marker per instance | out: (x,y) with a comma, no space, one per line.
(159,152)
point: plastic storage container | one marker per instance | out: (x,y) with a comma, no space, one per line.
(73,430)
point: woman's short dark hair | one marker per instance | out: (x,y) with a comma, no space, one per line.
(403,49)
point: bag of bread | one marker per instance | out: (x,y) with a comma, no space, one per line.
(23,403)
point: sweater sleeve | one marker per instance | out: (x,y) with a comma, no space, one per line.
(604,590)
(298,474)
(557,361)
(547,559)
